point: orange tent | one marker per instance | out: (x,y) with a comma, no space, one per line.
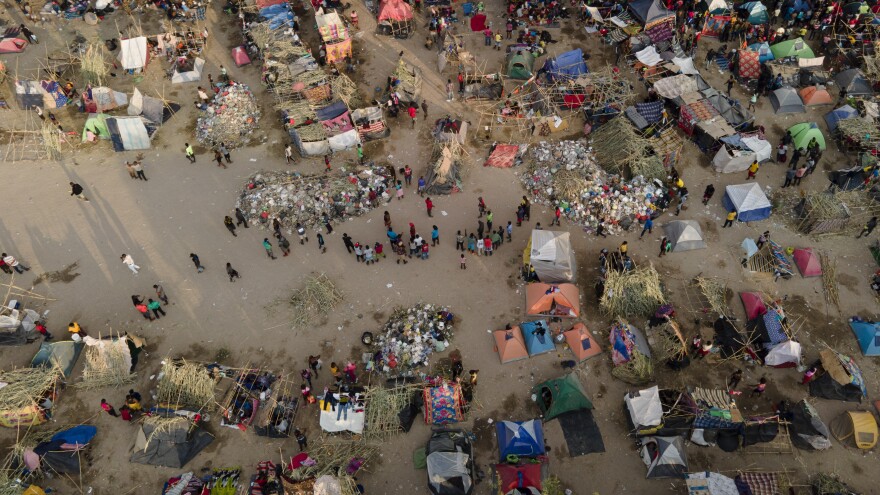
(553,300)
(815,95)
(510,345)
(581,342)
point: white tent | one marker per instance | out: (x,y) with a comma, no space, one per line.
(150,108)
(128,133)
(645,408)
(347,140)
(685,235)
(730,160)
(133,53)
(784,354)
(189,76)
(748,200)
(552,256)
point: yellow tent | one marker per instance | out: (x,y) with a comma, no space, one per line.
(858,425)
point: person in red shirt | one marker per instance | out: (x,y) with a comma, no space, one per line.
(556,215)
(429,205)
(487,245)
(412,115)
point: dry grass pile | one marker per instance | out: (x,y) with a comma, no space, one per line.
(315,299)
(107,365)
(637,292)
(186,384)
(26,386)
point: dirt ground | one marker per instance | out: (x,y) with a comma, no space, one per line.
(73,248)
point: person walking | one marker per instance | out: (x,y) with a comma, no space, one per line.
(557,213)
(753,101)
(219,158)
(321,245)
(649,227)
(424,109)
(663,246)
(155,307)
(349,245)
(230,225)
(129,262)
(225,153)
(799,174)
(13,263)
(360,153)
(386,218)
(435,235)
(730,82)
(462,262)
(429,205)
(138,168)
(288,154)
(682,197)
(450,90)
(240,219)
(190,153)
(232,272)
(490,217)
(708,193)
(759,389)
(160,293)
(421,186)
(407,175)
(268,247)
(195,259)
(306,375)
(411,111)
(731,216)
(481,207)
(283,244)
(77,190)
(107,408)
(866,230)
(753,170)
(358,252)
(510,231)
(789,177)
(301,232)
(130,167)
(28,34)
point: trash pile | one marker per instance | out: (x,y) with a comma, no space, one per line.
(411,335)
(311,200)
(231,118)
(566,173)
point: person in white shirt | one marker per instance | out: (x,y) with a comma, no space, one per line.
(129,262)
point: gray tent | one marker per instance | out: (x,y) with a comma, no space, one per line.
(552,256)
(854,82)
(172,446)
(786,100)
(665,457)
(450,459)
(685,235)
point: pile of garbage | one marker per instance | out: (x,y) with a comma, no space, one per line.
(311,200)
(230,118)
(566,173)
(411,335)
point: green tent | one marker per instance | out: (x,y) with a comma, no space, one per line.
(797,48)
(519,64)
(561,395)
(805,132)
(97,125)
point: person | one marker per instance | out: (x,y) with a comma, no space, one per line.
(540,332)
(462,262)
(481,207)
(155,307)
(450,90)
(195,259)
(481,245)
(424,109)
(711,55)
(219,157)
(268,247)
(41,328)
(600,229)
(781,153)
(349,244)
(663,245)
(342,410)
(230,225)
(866,230)
(306,392)
(429,205)
(354,19)
(144,310)
(435,235)
(421,185)
(133,403)
(753,170)
(789,177)
(708,193)
(759,388)
(301,439)
(138,169)
(411,111)
(763,238)
(283,244)
(799,174)
(321,245)
(107,408)
(730,82)
(649,228)
(490,218)
(288,153)
(624,246)
(510,230)
(731,216)
(306,376)
(190,153)
(425,250)
(734,379)
(28,34)
(705,349)
(232,272)
(459,241)
(128,261)
(557,213)
(360,153)
(240,219)
(77,190)
(125,413)
(301,232)
(808,375)
(13,263)
(407,175)
(667,247)
(368,255)
(327,167)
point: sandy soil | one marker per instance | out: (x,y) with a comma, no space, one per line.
(74,247)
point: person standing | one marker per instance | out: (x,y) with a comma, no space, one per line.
(459,241)
(510,231)
(129,262)
(424,109)
(301,232)
(77,190)
(155,307)
(349,245)
(557,213)
(429,205)
(230,225)
(462,262)
(107,408)
(268,247)
(734,380)
(682,197)
(307,376)
(490,217)
(160,293)
(288,154)
(130,167)
(195,259)
(16,265)
(731,216)
(789,177)
(240,218)
(232,272)
(143,309)
(663,246)
(283,244)
(708,193)
(753,170)
(799,174)
(327,167)
(866,230)
(225,153)
(450,90)
(411,111)
(301,439)
(219,157)
(759,388)
(730,82)
(421,185)
(360,153)
(407,175)
(321,245)
(435,236)
(753,101)
(190,153)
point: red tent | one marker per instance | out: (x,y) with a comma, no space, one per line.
(478,22)
(504,156)
(12,45)
(509,476)
(240,56)
(753,304)
(807,262)
(395,10)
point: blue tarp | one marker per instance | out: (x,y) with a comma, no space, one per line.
(868,335)
(79,435)
(536,344)
(331,111)
(763,49)
(568,65)
(834,117)
(277,15)
(520,438)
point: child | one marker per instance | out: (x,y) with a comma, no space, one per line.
(301,439)
(307,394)
(759,388)
(808,375)
(461,262)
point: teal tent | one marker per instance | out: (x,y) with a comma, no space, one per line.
(63,353)
(868,335)
(797,48)
(519,64)
(561,395)
(756,12)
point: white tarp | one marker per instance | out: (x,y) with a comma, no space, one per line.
(150,108)
(686,65)
(708,483)
(645,408)
(133,53)
(347,140)
(649,56)
(761,147)
(327,485)
(784,353)
(730,160)
(552,256)
(673,86)
(443,466)
(133,133)
(107,99)
(353,421)
(189,76)
(811,62)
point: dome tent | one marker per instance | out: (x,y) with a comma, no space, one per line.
(748,200)
(685,235)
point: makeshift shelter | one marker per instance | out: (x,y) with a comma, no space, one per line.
(110,362)
(410,88)
(331,421)
(807,262)
(645,408)
(443,404)
(784,355)
(565,66)
(17,327)
(134,54)
(854,82)
(523,477)
(806,428)
(551,255)
(815,95)
(96,127)
(748,200)
(805,132)
(189,73)
(647,12)
(786,100)
(520,64)
(797,48)
(448,129)
(763,50)
(510,345)
(395,18)
(169,442)
(664,456)
(101,99)
(60,453)
(54,97)
(755,13)
(520,438)
(128,134)
(240,56)
(709,483)
(450,462)
(561,300)
(62,354)
(504,156)
(12,45)
(868,336)
(749,64)
(738,153)
(841,378)
(561,395)
(833,117)
(860,426)
(24,389)
(370,123)
(581,342)
(686,235)
(29,94)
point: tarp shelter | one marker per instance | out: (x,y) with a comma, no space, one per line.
(784,355)
(815,95)
(748,200)
(128,134)
(797,48)
(834,117)
(60,453)
(134,53)
(807,262)
(450,459)
(756,12)
(54,97)
(171,445)
(841,380)
(581,342)
(443,404)
(448,129)
(665,457)
(551,255)
(805,132)
(503,156)
(510,345)
(685,235)
(240,56)
(523,478)
(786,100)
(566,66)
(709,483)
(520,438)
(478,22)
(730,160)
(63,353)
(29,94)
(520,64)
(675,86)
(17,327)
(370,123)
(12,45)
(859,426)
(645,408)
(807,430)
(96,127)
(102,99)
(749,64)
(561,300)
(353,421)
(152,109)
(537,342)
(854,82)
(649,11)
(625,341)
(561,395)
(868,335)
(194,74)
(763,49)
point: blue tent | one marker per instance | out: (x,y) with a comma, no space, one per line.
(567,65)
(868,335)
(748,200)
(834,117)
(763,49)
(520,438)
(537,344)
(757,12)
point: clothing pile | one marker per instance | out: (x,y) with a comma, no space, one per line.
(230,118)
(411,335)
(565,173)
(311,200)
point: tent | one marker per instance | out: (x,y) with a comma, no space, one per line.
(240,56)
(133,53)
(521,478)
(63,353)
(748,200)
(797,48)
(756,12)
(394,11)
(784,355)
(478,22)
(353,421)
(193,74)
(561,300)
(786,100)
(581,342)
(561,395)
(60,453)
(101,99)
(815,95)
(858,425)
(450,459)
(443,404)
(173,444)
(665,457)
(841,380)
(807,262)
(753,304)
(805,132)
(763,49)
(510,345)
(649,11)
(645,408)
(868,335)
(96,127)
(566,66)
(854,82)
(152,109)
(685,235)
(537,343)
(845,112)
(128,133)
(551,255)
(520,438)
(12,45)
(738,153)
(520,64)
(807,430)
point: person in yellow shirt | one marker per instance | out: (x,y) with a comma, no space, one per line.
(498,40)
(730,218)
(623,247)
(753,170)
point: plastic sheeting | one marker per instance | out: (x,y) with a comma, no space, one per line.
(133,53)
(649,56)
(352,420)
(128,133)
(552,256)
(189,76)
(645,408)
(748,200)
(674,86)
